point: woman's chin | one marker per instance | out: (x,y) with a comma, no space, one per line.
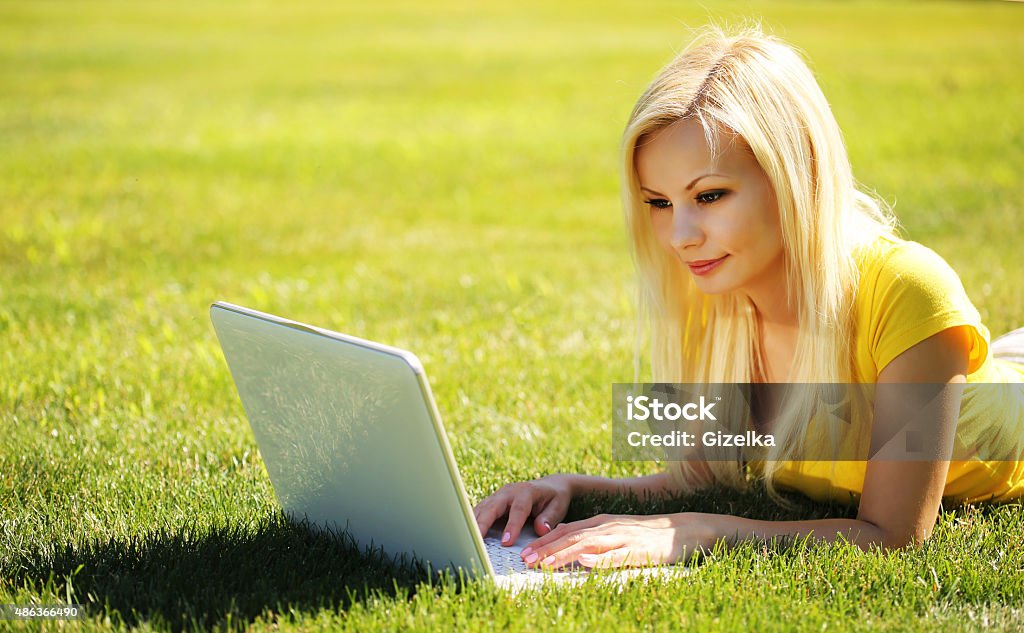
(712,287)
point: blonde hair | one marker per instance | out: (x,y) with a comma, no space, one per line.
(758,87)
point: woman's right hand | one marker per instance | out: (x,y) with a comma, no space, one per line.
(546,499)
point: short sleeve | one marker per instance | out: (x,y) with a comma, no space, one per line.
(915,294)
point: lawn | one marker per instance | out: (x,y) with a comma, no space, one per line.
(439,176)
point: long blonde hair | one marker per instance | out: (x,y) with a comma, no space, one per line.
(758,87)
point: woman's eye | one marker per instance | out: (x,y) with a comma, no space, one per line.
(658,203)
(710,196)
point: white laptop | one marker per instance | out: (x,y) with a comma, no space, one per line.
(352,441)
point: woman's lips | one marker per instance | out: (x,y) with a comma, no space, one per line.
(704,266)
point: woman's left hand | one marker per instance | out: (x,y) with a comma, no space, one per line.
(608,540)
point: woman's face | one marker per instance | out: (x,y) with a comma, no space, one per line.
(721,220)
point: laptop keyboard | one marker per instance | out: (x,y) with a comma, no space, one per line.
(505,560)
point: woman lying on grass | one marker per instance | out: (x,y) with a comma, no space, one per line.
(760,261)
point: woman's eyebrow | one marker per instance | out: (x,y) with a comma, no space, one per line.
(688,187)
(694,181)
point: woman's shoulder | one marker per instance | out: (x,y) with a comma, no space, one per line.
(906,293)
(893,268)
(889,255)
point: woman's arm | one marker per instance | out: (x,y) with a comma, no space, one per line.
(656,485)
(898,507)
(653,485)
(901,498)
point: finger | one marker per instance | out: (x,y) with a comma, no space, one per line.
(518,514)
(621,557)
(564,537)
(477,511)
(560,531)
(487,512)
(552,513)
(587,544)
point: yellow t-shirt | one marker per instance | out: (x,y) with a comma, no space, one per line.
(908,293)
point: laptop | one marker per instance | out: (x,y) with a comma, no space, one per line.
(352,441)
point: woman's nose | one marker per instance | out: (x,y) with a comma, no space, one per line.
(685,230)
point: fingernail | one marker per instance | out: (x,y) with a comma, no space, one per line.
(527,551)
(506,537)
(547,525)
(548,560)
(532,557)
(588,559)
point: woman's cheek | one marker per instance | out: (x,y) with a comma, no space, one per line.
(662,227)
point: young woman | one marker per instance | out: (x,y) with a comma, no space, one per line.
(760,261)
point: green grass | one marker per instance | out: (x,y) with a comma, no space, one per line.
(439,176)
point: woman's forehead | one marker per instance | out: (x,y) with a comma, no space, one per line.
(688,141)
